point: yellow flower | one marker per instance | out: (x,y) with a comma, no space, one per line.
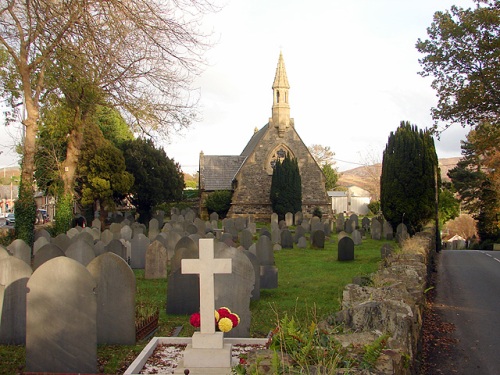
(225,324)
(217,315)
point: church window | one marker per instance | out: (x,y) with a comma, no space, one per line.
(277,96)
(279,155)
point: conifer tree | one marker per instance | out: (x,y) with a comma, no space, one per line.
(408,182)
(286,187)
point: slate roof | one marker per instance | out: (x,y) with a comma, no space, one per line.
(254,141)
(219,171)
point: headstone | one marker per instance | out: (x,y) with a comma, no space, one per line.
(106,236)
(240,223)
(116,246)
(365,224)
(115,299)
(186,242)
(20,250)
(115,229)
(386,250)
(214,216)
(356,237)
(387,231)
(341,235)
(183,291)
(96,223)
(73,232)
(14,275)
(346,249)
(401,233)
(274,218)
(138,244)
(298,218)
(286,239)
(289,219)
(99,248)
(46,253)
(256,266)
(4,253)
(42,233)
(306,224)
(39,243)
(137,229)
(376,229)
(61,332)
(318,239)
(302,243)
(126,233)
(350,225)
(299,232)
(200,225)
(191,228)
(156,261)
(246,238)
(264,251)
(276,235)
(80,251)
(264,232)
(83,236)
(339,224)
(153,228)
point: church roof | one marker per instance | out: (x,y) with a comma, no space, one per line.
(219,171)
(254,141)
(280,79)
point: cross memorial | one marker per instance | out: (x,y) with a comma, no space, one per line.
(206,266)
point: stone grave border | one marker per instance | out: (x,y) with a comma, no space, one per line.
(136,367)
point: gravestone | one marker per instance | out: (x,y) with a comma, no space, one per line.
(274,218)
(356,237)
(302,243)
(46,253)
(61,332)
(83,236)
(116,246)
(73,232)
(21,250)
(14,275)
(289,219)
(298,218)
(327,227)
(191,228)
(214,216)
(365,223)
(96,223)
(246,238)
(401,233)
(137,229)
(265,232)
(186,242)
(200,225)
(126,233)
(99,248)
(106,236)
(138,244)
(234,289)
(306,224)
(183,291)
(268,271)
(376,229)
(387,231)
(276,235)
(42,232)
(4,253)
(286,239)
(195,354)
(345,249)
(299,232)
(339,224)
(39,243)
(115,229)
(386,250)
(341,235)
(240,223)
(80,251)
(153,229)
(350,225)
(318,239)
(256,266)
(156,261)
(115,299)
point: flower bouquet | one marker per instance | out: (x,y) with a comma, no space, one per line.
(225,320)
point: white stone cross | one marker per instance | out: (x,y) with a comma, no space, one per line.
(206,266)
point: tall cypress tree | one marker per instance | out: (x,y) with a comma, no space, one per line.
(408,181)
(286,187)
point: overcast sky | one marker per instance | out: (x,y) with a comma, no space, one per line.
(352,68)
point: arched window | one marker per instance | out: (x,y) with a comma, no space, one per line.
(277,96)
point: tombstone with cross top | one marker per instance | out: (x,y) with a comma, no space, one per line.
(207,348)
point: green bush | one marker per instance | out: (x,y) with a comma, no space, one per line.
(64,214)
(25,215)
(220,202)
(374,207)
(317,212)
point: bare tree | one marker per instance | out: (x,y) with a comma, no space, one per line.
(142,54)
(372,162)
(464,226)
(322,154)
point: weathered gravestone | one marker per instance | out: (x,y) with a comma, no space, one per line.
(256,266)
(387,231)
(153,228)
(183,291)
(386,250)
(401,233)
(20,250)
(156,261)
(274,218)
(268,271)
(115,229)
(339,224)
(298,218)
(289,219)
(139,244)
(206,267)
(106,236)
(365,224)
(299,232)
(276,235)
(318,239)
(46,253)
(61,332)
(246,238)
(39,243)
(264,232)
(42,233)
(3,252)
(286,239)
(96,223)
(356,237)
(345,249)
(376,229)
(214,216)
(302,243)
(126,233)
(341,235)
(117,247)
(115,299)
(234,289)
(14,275)
(80,251)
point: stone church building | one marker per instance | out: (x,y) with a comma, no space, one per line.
(249,174)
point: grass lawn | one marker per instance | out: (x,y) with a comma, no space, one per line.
(310,287)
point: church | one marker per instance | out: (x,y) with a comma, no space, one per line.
(248,175)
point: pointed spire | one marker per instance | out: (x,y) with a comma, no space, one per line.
(281,109)
(280,79)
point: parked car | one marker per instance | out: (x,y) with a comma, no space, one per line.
(10,219)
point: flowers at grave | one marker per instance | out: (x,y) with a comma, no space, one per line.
(225,320)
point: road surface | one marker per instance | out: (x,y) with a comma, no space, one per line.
(468,296)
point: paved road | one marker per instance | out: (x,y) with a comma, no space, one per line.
(468,295)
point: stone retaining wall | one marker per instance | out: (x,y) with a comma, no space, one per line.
(393,304)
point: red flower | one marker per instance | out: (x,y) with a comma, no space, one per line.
(234,319)
(195,320)
(224,312)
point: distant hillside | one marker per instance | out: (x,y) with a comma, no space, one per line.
(368,177)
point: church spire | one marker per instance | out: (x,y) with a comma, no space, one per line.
(281,109)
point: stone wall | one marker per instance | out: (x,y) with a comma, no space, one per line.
(393,304)
(252,185)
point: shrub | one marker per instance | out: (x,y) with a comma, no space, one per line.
(317,212)
(220,202)
(374,207)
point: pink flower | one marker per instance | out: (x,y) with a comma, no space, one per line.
(195,320)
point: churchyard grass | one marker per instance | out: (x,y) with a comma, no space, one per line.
(310,288)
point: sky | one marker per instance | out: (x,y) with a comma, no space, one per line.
(352,68)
